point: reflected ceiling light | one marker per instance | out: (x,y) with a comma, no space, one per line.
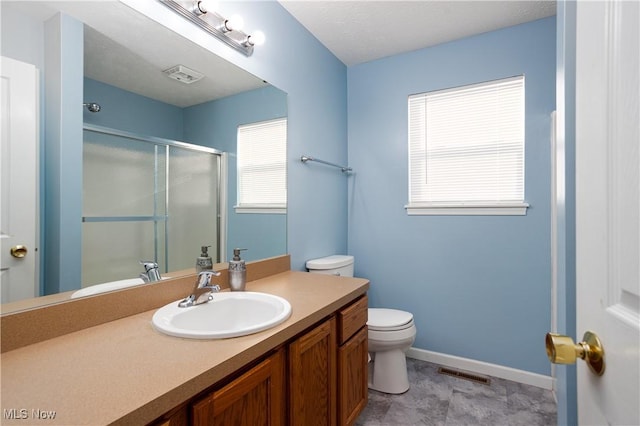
(228,30)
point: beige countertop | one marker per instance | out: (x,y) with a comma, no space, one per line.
(125,372)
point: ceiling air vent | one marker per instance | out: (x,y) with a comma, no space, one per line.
(183,74)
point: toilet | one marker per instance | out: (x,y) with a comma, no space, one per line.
(391,333)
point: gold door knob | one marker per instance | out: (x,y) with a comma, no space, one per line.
(562,350)
(18,251)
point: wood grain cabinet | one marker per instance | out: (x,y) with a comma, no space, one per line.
(255,398)
(312,376)
(328,370)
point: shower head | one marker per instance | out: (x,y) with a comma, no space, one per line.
(92,106)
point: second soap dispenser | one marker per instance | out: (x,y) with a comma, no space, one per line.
(204,261)
(237,272)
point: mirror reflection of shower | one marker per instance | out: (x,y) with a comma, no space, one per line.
(92,106)
(146,197)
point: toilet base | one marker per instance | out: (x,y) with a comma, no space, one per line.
(388,372)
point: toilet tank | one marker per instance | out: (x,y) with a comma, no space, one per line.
(337,264)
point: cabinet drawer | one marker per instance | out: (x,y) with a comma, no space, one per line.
(352,318)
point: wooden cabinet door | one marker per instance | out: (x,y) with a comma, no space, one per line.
(352,377)
(256,398)
(312,377)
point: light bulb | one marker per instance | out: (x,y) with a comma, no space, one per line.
(256,39)
(234,23)
(207,5)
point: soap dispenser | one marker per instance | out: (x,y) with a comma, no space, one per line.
(204,262)
(237,272)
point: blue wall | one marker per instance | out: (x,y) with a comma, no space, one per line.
(215,124)
(469,280)
(130,112)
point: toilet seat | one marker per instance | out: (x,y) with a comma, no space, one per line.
(382,319)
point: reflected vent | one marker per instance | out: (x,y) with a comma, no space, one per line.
(462,375)
(183,74)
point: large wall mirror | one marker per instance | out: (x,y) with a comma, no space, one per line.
(140,125)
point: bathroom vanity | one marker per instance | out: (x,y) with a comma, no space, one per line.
(311,369)
(319,377)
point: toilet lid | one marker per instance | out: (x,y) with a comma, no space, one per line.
(383,319)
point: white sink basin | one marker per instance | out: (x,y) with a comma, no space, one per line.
(110,286)
(229,314)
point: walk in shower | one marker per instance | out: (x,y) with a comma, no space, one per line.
(147,198)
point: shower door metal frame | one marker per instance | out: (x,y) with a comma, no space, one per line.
(221,187)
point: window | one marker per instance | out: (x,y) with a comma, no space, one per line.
(262,167)
(466,150)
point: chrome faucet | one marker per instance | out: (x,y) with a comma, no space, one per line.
(202,292)
(151,272)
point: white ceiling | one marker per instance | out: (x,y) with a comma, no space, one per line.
(362,31)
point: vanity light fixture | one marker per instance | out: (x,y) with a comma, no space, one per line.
(228,30)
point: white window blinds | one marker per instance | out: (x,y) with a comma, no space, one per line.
(466,147)
(262,168)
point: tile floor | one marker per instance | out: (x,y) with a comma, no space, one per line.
(437,399)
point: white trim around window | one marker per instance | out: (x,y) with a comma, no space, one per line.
(261,208)
(470,209)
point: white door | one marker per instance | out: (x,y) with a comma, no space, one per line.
(19,181)
(608,206)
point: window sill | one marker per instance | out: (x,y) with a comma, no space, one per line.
(459,209)
(260,209)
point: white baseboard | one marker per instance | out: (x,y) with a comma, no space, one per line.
(479,367)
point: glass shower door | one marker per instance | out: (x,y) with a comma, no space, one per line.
(193,206)
(144,200)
